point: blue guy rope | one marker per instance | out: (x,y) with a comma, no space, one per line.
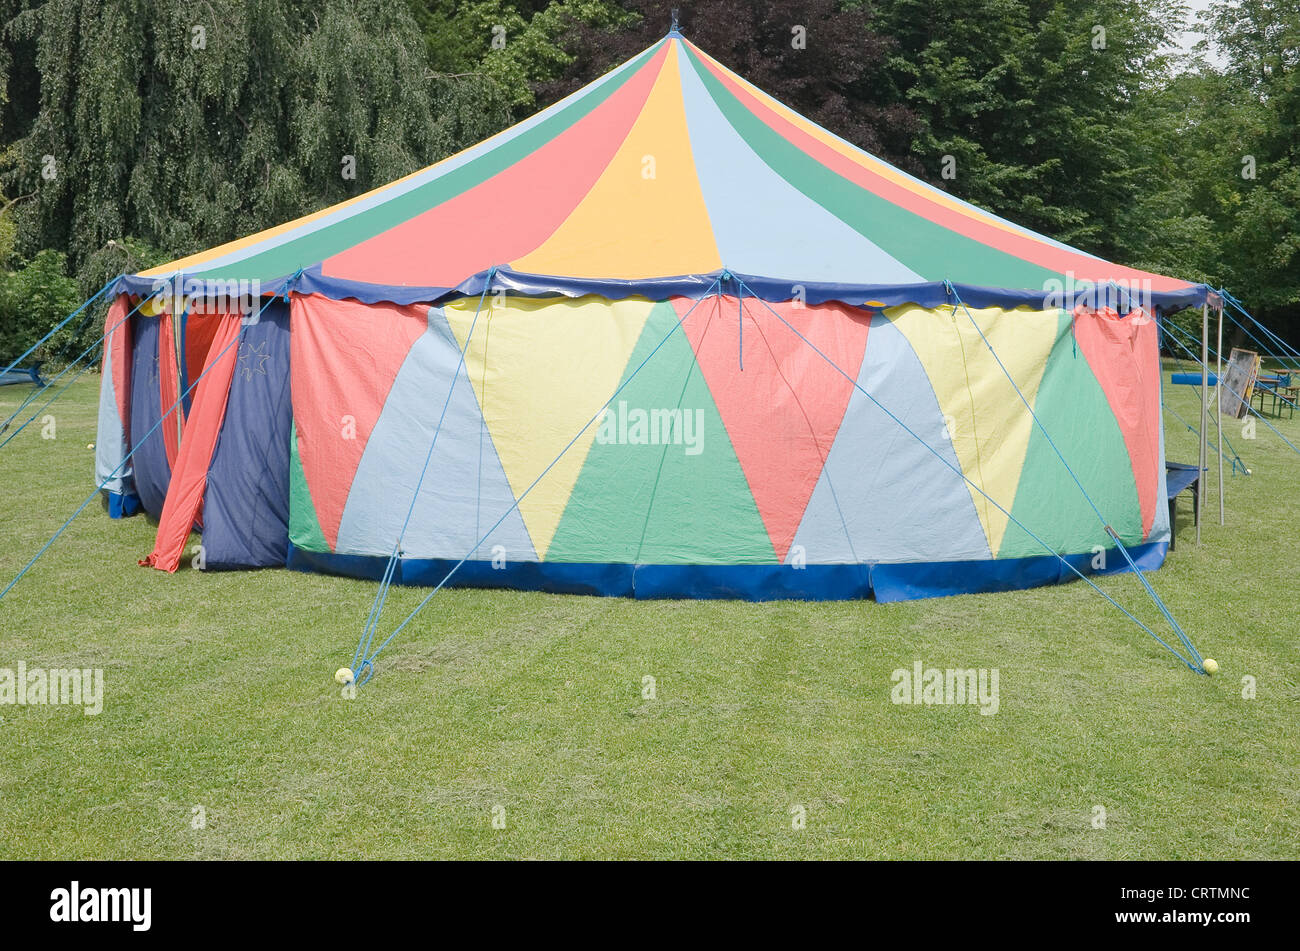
(81,326)
(1247,404)
(1194,667)
(31,397)
(99,488)
(663,455)
(63,323)
(77,376)
(367,669)
(61,390)
(482,429)
(740,324)
(1263,347)
(1169,325)
(1236,459)
(1295,354)
(1106,526)
(825,456)
(381,596)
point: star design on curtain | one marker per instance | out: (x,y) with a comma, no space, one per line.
(252,359)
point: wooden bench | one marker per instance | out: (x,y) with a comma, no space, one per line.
(1179,477)
(1280,388)
(1291,394)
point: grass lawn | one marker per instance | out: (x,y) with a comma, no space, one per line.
(219,694)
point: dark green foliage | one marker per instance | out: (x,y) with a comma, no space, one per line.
(32,300)
(835,79)
(191,124)
(168,141)
(1032,101)
(1200,213)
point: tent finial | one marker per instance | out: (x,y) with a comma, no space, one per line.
(674,29)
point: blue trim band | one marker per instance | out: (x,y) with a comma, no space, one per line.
(122,505)
(886,582)
(144,286)
(930,295)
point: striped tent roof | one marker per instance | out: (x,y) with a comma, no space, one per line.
(653,179)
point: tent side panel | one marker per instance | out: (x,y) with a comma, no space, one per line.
(113,470)
(465,505)
(887,495)
(246,510)
(1072,408)
(1124,354)
(151,469)
(346,356)
(181,511)
(649,513)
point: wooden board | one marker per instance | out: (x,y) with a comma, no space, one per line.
(1238,380)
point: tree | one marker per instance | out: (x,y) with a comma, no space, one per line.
(1032,101)
(1261,39)
(34,299)
(515,45)
(1219,194)
(189,124)
(817,57)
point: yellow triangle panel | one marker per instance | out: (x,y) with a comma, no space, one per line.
(541,368)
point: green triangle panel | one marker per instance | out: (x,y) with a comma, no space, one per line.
(1073,407)
(304,526)
(646,501)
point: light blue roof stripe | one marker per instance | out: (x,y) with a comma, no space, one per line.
(938,192)
(750,205)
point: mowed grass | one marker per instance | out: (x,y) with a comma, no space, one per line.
(219,694)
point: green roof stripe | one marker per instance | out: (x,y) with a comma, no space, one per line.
(927,248)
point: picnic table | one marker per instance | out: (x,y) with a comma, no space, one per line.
(1280,388)
(1179,477)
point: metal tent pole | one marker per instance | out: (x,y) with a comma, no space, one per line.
(1218,406)
(1201,487)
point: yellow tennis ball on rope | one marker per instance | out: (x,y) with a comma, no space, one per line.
(1209,665)
(344,675)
